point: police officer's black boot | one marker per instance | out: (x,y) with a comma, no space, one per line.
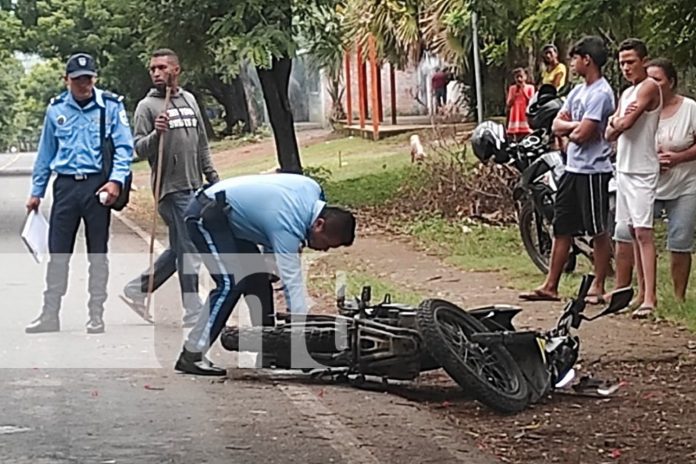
(98,277)
(56,284)
(46,322)
(196,364)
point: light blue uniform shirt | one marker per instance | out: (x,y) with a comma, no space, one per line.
(70,140)
(276,211)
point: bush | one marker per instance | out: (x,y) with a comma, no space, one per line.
(452,188)
(320,174)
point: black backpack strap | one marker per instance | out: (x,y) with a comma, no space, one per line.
(106,154)
(102,132)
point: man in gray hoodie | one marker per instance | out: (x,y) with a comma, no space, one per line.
(186,160)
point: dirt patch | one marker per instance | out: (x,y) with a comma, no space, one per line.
(649,420)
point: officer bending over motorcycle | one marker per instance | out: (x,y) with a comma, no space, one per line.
(227,223)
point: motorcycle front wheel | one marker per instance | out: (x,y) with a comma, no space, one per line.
(489,372)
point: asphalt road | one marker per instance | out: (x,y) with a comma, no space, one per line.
(70,397)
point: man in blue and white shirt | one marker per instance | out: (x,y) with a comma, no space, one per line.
(71,147)
(229,221)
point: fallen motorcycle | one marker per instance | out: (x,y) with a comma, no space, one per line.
(391,341)
(480,349)
(545,358)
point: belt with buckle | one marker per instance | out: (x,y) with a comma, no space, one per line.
(77,177)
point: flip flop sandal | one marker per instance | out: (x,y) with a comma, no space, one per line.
(595,300)
(643,312)
(537,295)
(634,305)
(138,308)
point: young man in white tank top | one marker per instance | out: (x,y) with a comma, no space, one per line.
(634,126)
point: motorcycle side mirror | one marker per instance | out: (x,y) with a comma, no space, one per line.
(366,295)
(620,299)
(341,295)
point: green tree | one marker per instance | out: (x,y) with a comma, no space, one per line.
(36,88)
(11,72)
(108,30)
(394,24)
(325,36)
(185,25)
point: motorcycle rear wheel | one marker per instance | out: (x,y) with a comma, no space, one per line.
(537,240)
(490,372)
(320,341)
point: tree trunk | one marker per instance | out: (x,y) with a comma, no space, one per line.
(233,99)
(250,98)
(204,113)
(274,82)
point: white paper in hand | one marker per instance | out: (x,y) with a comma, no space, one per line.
(35,235)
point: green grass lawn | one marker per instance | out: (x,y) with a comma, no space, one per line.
(367,173)
(346,158)
(358,172)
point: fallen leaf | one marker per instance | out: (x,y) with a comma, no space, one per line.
(10,429)
(615,454)
(238,447)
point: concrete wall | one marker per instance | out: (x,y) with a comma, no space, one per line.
(410,88)
(311,102)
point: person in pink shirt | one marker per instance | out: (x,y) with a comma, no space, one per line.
(518,98)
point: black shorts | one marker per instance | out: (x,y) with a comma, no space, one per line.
(582,204)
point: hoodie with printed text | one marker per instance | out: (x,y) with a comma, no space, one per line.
(186,158)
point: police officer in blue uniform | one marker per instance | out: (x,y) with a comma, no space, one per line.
(70,147)
(227,222)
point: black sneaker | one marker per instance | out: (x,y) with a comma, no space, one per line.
(95,325)
(43,324)
(195,364)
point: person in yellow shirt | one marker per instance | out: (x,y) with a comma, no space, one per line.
(555,72)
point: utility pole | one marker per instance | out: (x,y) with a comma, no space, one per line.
(477,67)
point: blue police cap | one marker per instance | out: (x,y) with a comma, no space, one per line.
(80,64)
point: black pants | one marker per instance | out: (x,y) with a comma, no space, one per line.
(75,201)
(181,256)
(238,269)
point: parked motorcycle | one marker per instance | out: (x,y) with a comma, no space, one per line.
(540,167)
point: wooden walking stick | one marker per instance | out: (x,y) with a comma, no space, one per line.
(153,231)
